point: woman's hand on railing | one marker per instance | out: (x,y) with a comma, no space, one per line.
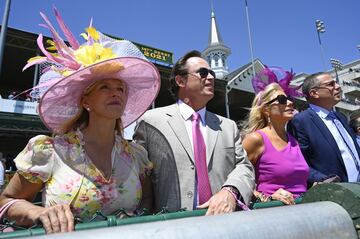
(58,218)
(283,196)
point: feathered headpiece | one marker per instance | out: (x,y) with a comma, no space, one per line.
(275,75)
(69,59)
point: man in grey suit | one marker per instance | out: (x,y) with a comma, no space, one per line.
(168,136)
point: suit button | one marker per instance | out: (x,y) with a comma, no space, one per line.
(189,194)
(192,166)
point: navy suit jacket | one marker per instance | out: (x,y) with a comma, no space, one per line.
(319,146)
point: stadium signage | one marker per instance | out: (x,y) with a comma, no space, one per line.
(18,106)
(157,55)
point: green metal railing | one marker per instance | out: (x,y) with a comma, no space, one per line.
(112,221)
(272,204)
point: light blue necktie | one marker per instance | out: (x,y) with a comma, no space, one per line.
(348,140)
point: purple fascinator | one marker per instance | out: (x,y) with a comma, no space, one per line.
(275,75)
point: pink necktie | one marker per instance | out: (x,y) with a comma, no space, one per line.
(203,184)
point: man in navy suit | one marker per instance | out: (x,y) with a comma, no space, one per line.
(325,139)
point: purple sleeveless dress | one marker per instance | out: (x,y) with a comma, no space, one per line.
(286,169)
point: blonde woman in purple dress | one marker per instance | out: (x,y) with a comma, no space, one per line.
(280,169)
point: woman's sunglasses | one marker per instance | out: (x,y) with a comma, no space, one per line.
(204,72)
(282,99)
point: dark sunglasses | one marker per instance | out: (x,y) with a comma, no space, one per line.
(204,72)
(282,99)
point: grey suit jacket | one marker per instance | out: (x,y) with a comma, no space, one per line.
(163,134)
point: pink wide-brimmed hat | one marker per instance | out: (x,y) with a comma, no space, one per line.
(69,72)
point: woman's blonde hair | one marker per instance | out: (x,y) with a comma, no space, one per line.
(81,119)
(256,118)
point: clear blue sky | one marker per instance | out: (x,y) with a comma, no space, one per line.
(283,31)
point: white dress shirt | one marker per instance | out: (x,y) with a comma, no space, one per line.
(346,155)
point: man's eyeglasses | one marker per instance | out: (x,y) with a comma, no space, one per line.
(204,72)
(282,99)
(325,85)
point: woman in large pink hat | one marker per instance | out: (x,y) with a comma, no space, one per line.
(88,94)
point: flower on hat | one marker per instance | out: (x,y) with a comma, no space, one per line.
(92,32)
(88,55)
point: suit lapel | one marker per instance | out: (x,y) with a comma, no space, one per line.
(326,133)
(212,131)
(176,123)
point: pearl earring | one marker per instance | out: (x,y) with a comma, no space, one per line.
(88,108)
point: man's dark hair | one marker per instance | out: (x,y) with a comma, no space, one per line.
(310,82)
(180,69)
(355,123)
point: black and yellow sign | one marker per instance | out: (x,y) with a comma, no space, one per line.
(152,53)
(158,55)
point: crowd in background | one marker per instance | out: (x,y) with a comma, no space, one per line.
(351,83)
(24,97)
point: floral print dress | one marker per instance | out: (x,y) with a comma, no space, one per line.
(69,176)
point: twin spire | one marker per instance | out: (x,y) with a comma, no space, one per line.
(216,51)
(214,36)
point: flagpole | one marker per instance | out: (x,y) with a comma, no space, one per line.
(250,40)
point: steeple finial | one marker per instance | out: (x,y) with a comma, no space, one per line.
(214,37)
(216,51)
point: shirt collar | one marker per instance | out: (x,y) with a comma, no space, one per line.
(321,112)
(186,111)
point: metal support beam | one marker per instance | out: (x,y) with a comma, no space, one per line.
(3,31)
(228,88)
(36,72)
